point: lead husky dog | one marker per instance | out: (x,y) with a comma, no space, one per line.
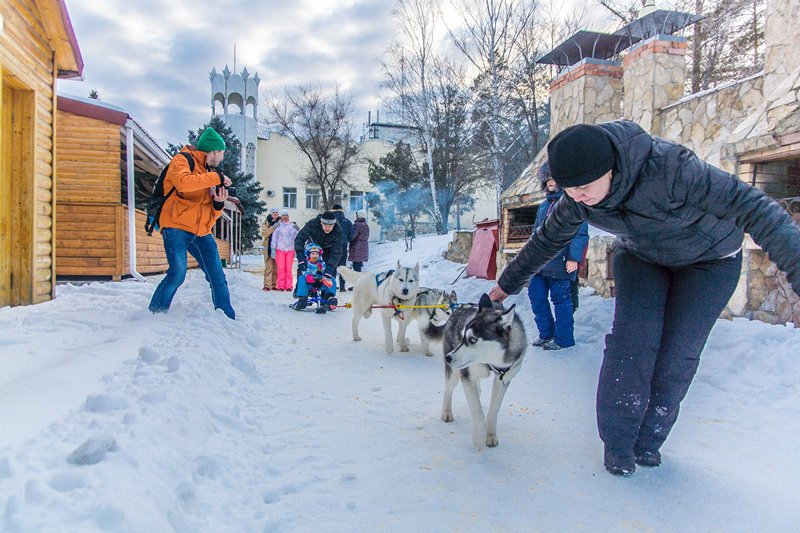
(480,340)
(395,287)
(430,319)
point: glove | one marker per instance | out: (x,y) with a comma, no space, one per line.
(327,281)
(310,279)
(301,267)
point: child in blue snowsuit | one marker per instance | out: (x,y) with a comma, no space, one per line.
(555,278)
(314,276)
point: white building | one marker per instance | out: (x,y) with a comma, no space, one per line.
(282,168)
(235,98)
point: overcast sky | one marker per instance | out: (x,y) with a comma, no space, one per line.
(153,58)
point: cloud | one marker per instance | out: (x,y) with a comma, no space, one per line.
(153,58)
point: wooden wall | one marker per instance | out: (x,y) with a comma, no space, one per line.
(93,241)
(89,159)
(27,65)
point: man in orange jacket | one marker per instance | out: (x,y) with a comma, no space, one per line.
(187,218)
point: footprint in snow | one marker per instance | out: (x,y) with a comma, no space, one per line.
(148,355)
(100,403)
(92,451)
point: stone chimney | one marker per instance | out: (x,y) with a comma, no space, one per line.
(782,42)
(781,65)
(587,92)
(654,77)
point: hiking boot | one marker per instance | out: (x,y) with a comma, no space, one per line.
(301,303)
(551,345)
(538,343)
(648,458)
(619,463)
(321,310)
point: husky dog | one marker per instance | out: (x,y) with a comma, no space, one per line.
(431,320)
(395,287)
(480,340)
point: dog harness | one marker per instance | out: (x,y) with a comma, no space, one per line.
(380,277)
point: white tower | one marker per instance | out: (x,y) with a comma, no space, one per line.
(237,95)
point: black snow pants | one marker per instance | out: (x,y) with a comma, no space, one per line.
(662,319)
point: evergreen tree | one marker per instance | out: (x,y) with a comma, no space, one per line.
(248,189)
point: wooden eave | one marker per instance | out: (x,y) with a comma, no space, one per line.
(62,37)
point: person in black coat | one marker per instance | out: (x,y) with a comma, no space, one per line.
(679,224)
(348,234)
(325,231)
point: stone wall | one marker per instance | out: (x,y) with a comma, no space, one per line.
(782,40)
(459,248)
(763,293)
(587,92)
(705,121)
(597,258)
(654,76)
(769,297)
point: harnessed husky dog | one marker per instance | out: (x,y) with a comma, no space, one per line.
(394,287)
(479,341)
(431,319)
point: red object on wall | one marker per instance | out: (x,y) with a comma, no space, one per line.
(482,261)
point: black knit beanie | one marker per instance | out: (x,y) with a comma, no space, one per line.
(327,218)
(579,155)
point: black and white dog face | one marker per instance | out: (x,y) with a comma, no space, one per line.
(486,338)
(404,283)
(440,316)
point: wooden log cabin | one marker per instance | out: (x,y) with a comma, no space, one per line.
(37,47)
(94,139)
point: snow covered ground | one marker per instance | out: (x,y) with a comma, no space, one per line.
(112,419)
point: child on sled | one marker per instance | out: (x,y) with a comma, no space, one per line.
(314,284)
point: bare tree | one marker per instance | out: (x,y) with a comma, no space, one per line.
(407,70)
(321,126)
(489,40)
(728,44)
(526,88)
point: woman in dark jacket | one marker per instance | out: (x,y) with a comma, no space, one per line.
(677,261)
(359,246)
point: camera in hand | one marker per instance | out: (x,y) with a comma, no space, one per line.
(231,190)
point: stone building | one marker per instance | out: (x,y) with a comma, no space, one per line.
(750,127)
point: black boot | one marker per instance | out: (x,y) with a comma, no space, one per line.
(619,463)
(301,303)
(322,309)
(647,458)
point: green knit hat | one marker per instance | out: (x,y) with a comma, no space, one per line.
(210,140)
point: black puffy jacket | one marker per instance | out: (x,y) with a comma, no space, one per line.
(666,207)
(331,243)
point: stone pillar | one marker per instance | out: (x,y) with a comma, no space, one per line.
(782,42)
(587,92)
(654,77)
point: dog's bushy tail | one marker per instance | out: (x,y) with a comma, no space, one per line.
(351,276)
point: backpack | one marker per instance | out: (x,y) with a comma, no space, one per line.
(156,203)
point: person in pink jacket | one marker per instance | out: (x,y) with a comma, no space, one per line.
(283,245)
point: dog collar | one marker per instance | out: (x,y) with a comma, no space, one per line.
(501,372)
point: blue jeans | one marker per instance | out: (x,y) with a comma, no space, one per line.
(204,249)
(560,328)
